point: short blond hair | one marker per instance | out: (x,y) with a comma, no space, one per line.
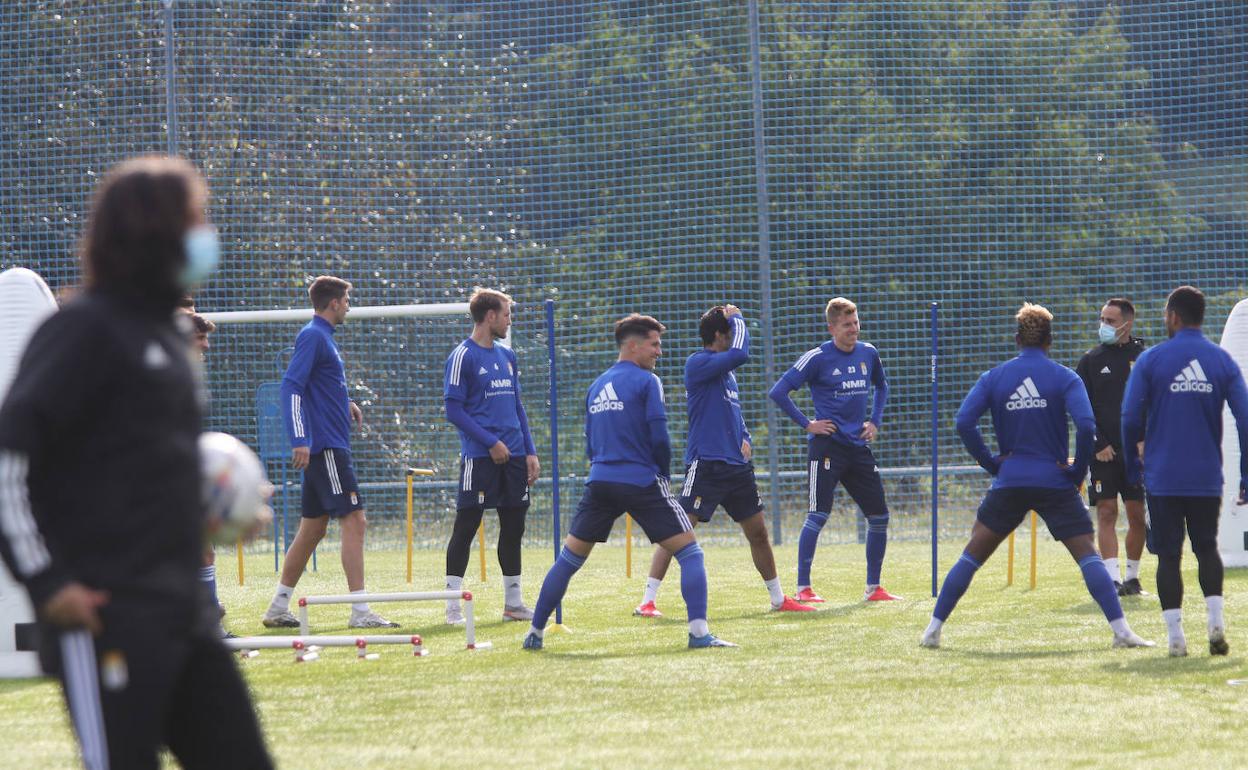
(837,307)
(1035,325)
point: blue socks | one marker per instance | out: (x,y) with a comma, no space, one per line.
(692,580)
(208,575)
(956,583)
(555,585)
(806,545)
(1101,586)
(877,542)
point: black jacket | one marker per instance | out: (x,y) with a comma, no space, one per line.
(1104,370)
(99,462)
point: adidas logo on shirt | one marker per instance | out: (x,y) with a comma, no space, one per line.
(1026,397)
(482,371)
(1191,380)
(1104,370)
(606,401)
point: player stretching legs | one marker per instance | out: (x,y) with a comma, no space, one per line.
(1180,388)
(498,461)
(1104,370)
(318,418)
(840,372)
(1030,396)
(630,455)
(718,470)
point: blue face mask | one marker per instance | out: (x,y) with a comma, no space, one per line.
(203,251)
(1108,334)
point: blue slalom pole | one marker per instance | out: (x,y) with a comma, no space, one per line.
(554,438)
(935,446)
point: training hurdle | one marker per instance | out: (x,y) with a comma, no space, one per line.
(305,647)
(470,631)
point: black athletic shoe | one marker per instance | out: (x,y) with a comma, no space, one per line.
(1118,587)
(1132,588)
(1217,643)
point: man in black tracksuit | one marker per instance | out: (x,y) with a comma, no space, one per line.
(1104,370)
(100,501)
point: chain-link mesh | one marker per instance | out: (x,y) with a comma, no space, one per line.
(604,153)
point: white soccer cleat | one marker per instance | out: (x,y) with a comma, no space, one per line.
(454,615)
(279,619)
(1178,648)
(1131,639)
(369,619)
(930,639)
(517,613)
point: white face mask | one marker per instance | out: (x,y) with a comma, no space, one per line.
(203,252)
(1108,334)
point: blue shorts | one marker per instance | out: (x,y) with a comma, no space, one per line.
(654,508)
(329,485)
(1063,510)
(484,483)
(712,483)
(853,466)
(1170,518)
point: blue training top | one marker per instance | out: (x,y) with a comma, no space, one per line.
(1030,396)
(481,392)
(626,427)
(1180,386)
(314,391)
(716,427)
(839,384)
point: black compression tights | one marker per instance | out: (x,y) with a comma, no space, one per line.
(1170,578)
(510,536)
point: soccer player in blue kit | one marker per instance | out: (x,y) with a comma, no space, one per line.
(1029,397)
(498,461)
(718,470)
(1180,387)
(630,455)
(318,415)
(840,372)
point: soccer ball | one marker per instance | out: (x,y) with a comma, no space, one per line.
(235,489)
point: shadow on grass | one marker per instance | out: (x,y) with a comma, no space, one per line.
(1013,655)
(1159,665)
(17,685)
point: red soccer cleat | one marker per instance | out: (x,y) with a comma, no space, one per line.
(791,605)
(647,610)
(808,595)
(880,595)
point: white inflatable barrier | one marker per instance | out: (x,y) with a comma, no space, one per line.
(1233,526)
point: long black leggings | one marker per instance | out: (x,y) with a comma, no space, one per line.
(1202,530)
(510,535)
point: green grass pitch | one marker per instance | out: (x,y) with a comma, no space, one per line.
(1025,678)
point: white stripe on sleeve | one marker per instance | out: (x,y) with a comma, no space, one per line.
(29,550)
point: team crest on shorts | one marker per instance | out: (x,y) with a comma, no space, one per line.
(1098,487)
(355,499)
(697,502)
(480,498)
(114,675)
(827,463)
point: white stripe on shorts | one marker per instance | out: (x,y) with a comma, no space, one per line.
(331,469)
(814,484)
(467,487)
(693,471)
(666,491)
(82,690)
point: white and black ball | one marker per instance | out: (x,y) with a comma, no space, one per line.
(235,488)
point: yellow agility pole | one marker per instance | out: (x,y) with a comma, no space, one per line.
(628,546)
(238,548)
(411,474)
(481,548)
(1009,561)
(1033,550)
